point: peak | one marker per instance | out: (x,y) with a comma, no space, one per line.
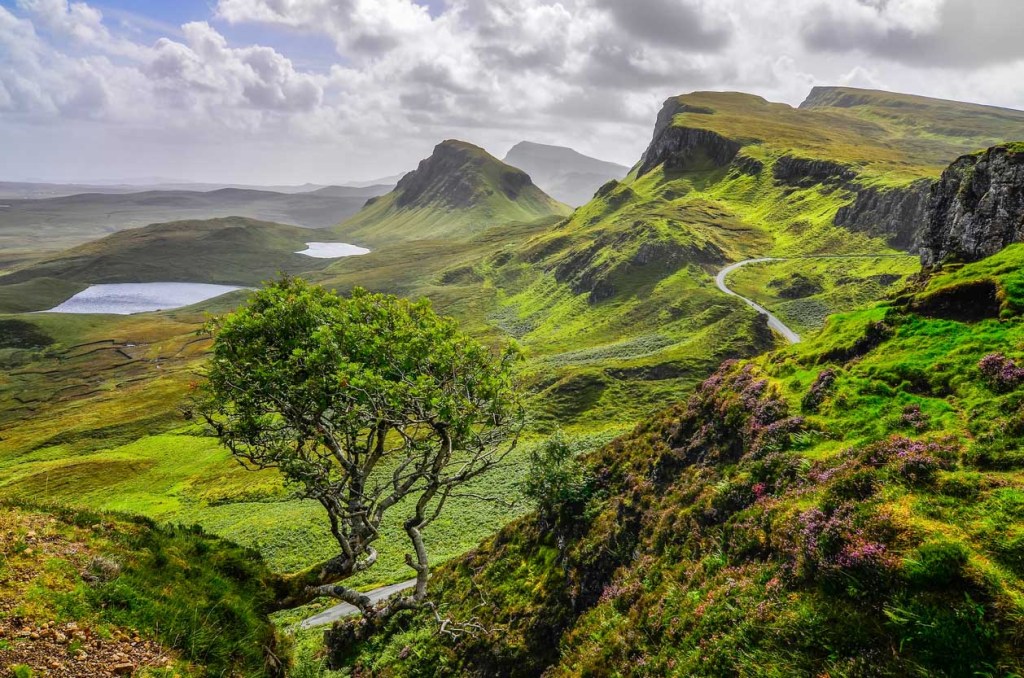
(457,146)
(460,174)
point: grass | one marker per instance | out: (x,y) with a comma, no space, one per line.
(198,596)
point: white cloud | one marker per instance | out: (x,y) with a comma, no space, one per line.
(587,73)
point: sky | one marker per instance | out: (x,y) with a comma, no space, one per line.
(327,91)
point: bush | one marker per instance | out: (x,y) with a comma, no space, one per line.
(556,481)
(1001,373)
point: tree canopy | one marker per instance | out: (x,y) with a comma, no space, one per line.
(368,404)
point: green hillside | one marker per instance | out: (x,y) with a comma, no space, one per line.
(94,594)
(849,506)
(458,191)
(233,250)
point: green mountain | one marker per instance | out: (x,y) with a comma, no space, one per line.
(456,192)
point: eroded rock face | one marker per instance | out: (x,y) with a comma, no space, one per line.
(898,215)
(977,207)
(682,147)
(807,172)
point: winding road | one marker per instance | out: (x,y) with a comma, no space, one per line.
(773,321)
(333,614)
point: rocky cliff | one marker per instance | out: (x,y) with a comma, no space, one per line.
(977,207)
(897,215)
(685,147)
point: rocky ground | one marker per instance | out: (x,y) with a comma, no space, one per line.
(52,647)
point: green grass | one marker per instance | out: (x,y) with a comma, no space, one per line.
(197,595)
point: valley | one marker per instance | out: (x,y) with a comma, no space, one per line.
(760,264)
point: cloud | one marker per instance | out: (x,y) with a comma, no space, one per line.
(929,33)
(395,78)
(672,23)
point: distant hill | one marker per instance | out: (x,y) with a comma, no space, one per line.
(36,227)
(233,250)
(458,191)
(563,173)
(353,191)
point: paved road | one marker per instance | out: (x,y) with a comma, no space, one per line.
(773,322)
(333,614)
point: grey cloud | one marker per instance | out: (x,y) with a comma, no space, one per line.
(670,23)
(969,34)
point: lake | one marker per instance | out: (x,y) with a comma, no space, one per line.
(127,298)
(332,250)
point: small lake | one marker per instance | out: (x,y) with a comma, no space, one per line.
(332,250)
(127,298)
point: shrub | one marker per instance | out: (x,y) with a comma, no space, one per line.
(1001,373)
(822,387)
(556,481)
(936,564)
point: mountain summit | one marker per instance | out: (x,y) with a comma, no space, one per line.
(564,173)
(459,190)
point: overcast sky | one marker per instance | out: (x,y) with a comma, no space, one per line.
(290,91)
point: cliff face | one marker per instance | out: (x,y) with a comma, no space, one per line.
(977,207)
(683,147)
(897,215)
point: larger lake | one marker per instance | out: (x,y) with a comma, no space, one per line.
(127,298)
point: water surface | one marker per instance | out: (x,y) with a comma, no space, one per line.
(332,250)
(127,298)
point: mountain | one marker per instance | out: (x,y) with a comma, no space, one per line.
(459,190)
(232,250)
(33,227)
(563,173)
(850,505)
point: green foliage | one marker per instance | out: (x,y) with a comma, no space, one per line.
(363,403)
(557,483)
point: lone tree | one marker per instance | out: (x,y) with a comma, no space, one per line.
(370,405)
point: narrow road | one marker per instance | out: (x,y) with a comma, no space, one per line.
(333,614)
(773,322)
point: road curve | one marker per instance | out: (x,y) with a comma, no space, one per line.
(333,614)
(773,322)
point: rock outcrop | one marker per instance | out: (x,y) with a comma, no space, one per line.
(679,148)
(806,172)
(898,215)
(977,207)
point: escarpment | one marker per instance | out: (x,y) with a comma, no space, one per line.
(977,207)
(896,215)
(685,147)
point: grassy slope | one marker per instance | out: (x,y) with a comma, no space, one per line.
(188,599)
(875,529)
